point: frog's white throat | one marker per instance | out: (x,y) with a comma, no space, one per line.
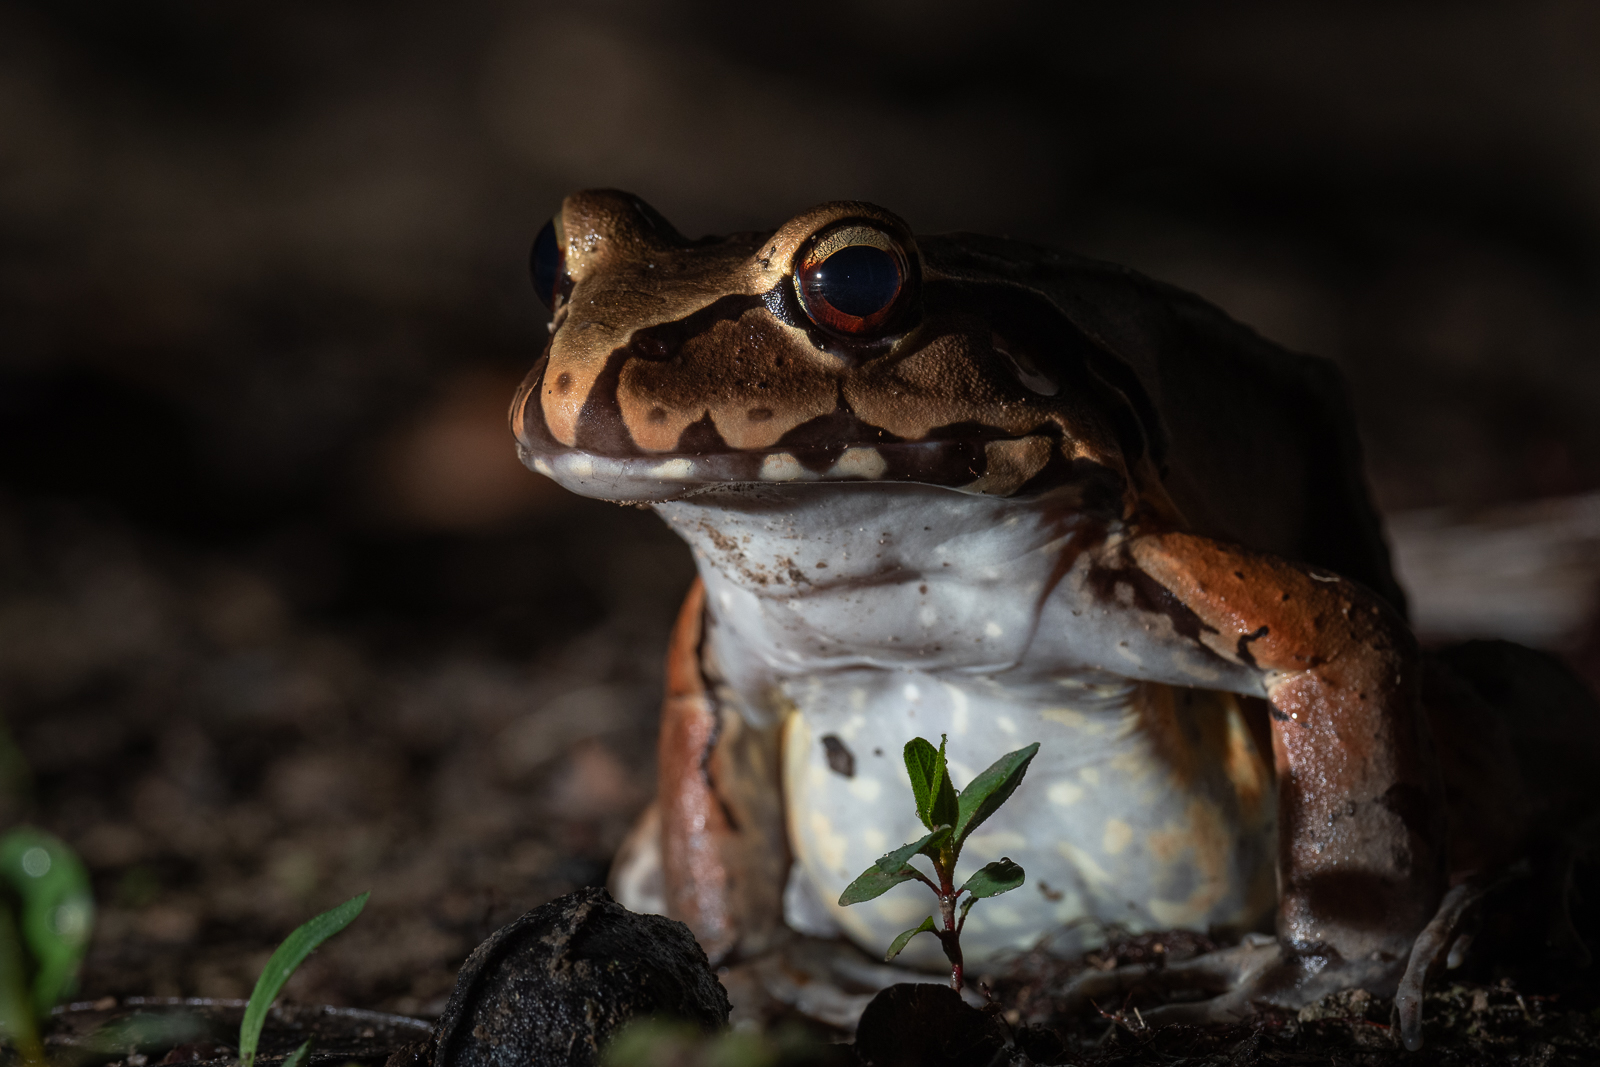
(893,576)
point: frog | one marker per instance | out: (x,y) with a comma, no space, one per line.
(969,487)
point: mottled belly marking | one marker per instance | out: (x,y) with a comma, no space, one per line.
(1147,806)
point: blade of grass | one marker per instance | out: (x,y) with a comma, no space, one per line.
(295,1058)
(295,948)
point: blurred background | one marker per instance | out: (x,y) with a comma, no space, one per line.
(282,618)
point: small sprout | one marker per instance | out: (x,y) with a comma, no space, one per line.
(950,819)
(295,948)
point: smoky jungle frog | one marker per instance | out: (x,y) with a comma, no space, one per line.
(968,486)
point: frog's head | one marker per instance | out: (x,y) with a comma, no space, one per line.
(838,348)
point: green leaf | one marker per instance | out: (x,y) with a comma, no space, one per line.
(873,883)
(142,1031)
(922,764)
(985,793)
(926,845)
(992,879)
(899,943)
(295,1058)
(944,807)
(295,948)
(57,911)
(892,869)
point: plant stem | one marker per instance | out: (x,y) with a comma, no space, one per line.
(950,936)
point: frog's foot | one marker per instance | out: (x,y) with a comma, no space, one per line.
(1228,985)
(1236,981)
(1221,975)
(1442,942)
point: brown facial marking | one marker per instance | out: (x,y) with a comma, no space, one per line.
(717,372)
(660,335)
(1010,464)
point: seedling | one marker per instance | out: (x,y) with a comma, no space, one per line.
(295,948)
(43,940)
(949,818)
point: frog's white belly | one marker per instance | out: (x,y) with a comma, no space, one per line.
(879,613)
(1146,806)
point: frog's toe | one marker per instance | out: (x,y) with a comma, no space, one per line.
(1219,974)
(1231,984)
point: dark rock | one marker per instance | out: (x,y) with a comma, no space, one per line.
(1039,1045)
(923,1025)
(556,984)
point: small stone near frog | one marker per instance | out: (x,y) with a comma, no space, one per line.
(555,985)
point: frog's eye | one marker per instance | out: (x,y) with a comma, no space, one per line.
(852,279)
(548,263)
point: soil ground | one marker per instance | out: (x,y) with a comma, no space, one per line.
(283,620)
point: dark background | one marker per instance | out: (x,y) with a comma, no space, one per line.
(281,618)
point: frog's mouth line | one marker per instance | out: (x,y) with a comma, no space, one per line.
(838,448)
(954,464)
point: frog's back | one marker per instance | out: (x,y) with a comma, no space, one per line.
(1256,444)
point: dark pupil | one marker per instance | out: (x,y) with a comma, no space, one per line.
(859,280)
(545,263)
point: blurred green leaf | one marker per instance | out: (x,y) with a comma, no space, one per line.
(985,793)
(17,1021)
(144,1031)
(294,1058)
(295,948)
(652,1041)
(992,879)
(899,943)
(57,912)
